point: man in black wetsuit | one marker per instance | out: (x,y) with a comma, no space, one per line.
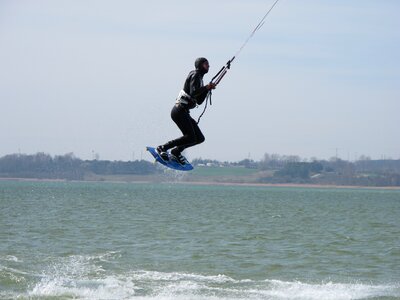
(194,93)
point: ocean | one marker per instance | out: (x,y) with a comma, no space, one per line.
(82,240)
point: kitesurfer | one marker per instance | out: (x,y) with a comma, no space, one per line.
(194,93)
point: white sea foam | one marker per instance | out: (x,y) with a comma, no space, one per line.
(81,277)
(11,258)
(298,290)
(104,288)
(174,276)
(125,288)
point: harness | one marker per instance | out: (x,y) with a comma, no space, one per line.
(185,98)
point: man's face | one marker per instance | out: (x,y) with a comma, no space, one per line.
(206,66)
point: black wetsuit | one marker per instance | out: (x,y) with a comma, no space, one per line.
(180,114)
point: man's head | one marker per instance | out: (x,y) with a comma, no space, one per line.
(202,64)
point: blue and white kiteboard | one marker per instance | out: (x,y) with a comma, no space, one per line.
(171,163)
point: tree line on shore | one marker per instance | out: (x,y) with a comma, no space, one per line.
(284,169)
(293,169)
(44,166)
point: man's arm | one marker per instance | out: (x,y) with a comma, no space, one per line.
(197,90)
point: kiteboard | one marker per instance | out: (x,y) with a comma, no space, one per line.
(170,163)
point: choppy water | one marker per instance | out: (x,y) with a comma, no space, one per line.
(171,241)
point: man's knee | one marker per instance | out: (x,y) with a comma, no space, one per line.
(201,139)
(191,139)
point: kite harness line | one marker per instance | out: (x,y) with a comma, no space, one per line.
(221,73)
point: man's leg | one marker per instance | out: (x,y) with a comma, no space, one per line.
(184,122)
(199,137)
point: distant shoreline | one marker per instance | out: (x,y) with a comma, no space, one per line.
(295,185)
(212,183)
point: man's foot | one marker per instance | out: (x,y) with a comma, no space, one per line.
(178,157)
(163,153)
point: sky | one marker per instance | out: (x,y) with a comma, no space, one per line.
(319,79)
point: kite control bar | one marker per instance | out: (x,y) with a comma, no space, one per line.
(221,73)
(215,80)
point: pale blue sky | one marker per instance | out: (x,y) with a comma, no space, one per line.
(84,76)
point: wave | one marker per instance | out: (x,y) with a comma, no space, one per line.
(196,287)
(83,277)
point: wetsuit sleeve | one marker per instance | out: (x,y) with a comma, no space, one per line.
(197,90)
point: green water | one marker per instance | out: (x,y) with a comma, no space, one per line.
(173,241)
